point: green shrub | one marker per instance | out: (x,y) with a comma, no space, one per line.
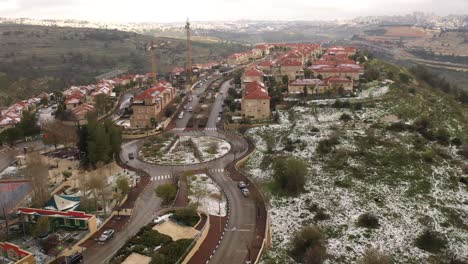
(171,253)
(373,256)
(368,220)
(321,215)
(149,238)
(167,192)
(303,239)
(431,241)
(442,136)
(345,117)
(289,174)
(428,156)
(325,146)
(187,216)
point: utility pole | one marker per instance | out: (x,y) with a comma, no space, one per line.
(188,65)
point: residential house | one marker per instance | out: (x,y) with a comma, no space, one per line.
(338,84)
(237,59)
(150,104)
(268,66)
(265,48)
(81,111)
(349,51)
(253,74)
(291,68)
(256,101)
(313,86)
(12,254)
(352,71)
(70,219)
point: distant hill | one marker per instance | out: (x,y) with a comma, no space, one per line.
(36,58)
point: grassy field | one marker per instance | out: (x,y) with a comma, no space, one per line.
(35,58)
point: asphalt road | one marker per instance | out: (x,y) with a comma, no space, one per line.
(241,228)
(195,94)
(218,104)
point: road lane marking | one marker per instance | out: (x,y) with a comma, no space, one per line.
(160,177)
(217,170)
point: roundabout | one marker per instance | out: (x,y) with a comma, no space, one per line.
(173,149)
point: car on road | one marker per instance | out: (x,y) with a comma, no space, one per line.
(241,185)
(181,115)
(190,99)
(245,192)
(190,109)
(131,155)
(106,235)
(73,259)
(185,107)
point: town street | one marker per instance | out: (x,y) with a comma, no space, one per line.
(241,227)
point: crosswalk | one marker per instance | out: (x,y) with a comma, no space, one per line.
(211,128)
(160,177)
(216,170)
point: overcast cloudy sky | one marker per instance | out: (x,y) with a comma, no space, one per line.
(207,10)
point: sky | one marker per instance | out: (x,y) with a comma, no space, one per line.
(218,10)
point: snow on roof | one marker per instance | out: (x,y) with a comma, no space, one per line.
(52,213)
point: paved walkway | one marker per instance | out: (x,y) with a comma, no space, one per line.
(211,241)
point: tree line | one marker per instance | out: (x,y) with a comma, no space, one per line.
(437,82)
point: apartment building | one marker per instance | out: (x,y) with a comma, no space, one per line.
(256,101)
(151,104)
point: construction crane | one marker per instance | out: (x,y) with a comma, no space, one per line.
(188,65)
(152,48)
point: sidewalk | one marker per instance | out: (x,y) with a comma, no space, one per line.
(203,254)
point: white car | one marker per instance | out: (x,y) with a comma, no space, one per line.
(106,235)
(190,109)
(181,115)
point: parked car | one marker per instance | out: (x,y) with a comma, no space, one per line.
(106,235)
(241,185)
(181,115)
(190,99)
(185,107)
(131,155)
(190,109)
(245,192)
(73,259)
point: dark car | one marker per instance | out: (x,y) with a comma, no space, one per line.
(131,155)
(73,259)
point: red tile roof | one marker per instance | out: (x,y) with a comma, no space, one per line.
(337,79)
(290,62)
(20,252)
(256,90)
(154,91)
(253,72)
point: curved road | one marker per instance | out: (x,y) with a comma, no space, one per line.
(241,226)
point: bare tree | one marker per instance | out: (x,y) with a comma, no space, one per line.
(96,183)
(83,186)
(37,172)
(57,133)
